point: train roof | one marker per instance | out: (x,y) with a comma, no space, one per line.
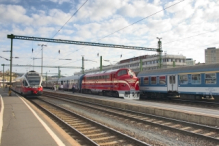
(71,77)
(104,72)
(52,80)
(182,69)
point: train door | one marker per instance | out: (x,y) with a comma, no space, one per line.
(172,83)
(67,84)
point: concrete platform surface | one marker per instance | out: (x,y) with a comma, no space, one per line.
(22,125)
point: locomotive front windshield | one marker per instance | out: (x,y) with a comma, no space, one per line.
(33,79)
(131,73)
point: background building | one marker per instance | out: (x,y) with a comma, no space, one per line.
(190,61)
(211,55)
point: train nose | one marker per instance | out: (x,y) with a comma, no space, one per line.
(34,92)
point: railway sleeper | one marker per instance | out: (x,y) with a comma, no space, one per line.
(82,127)
(112,143)
(209,134)
(97,134)
(86,129)
(106,137)
(196,131)
(93,131)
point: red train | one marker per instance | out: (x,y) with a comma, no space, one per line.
(119,83)
(29,84)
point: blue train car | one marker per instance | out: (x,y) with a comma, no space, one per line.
(66,82)
(189,82)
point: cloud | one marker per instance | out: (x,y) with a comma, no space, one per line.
(60,1)
(98,10)
(10,1)
(13,14)
(140,9)
(97,20)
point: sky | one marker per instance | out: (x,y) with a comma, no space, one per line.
(187,27)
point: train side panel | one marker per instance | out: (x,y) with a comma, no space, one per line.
(119,83)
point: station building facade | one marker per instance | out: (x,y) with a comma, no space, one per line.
(149,62)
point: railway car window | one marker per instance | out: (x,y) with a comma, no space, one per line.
(146,80)
(122,72)
(210,78)
(153,80)
(162,80)
(139,81)
(172,79)
(196,79)
(183,79)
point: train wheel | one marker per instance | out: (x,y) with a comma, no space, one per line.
(103,93)
(117,94)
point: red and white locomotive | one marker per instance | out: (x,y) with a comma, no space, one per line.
(119,83)
(29,84)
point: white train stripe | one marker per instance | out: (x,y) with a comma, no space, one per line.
(1,117)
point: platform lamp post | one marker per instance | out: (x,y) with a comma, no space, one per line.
(59,71)
(9,91)
(82,64)
(159,50)
(42,45)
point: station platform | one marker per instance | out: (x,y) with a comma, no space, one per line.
(22,124)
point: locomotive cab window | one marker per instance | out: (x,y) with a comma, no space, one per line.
(196,79)
(183,79)
(122,72)
(162,80)
(210,78)
(25,83)
(131,73)
(153,80)
(146,80)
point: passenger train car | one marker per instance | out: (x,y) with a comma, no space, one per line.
(29,84)
(119,83)
(189,82)
(69,82)
(49,84)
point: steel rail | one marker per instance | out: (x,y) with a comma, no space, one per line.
(153,122)
(137,142)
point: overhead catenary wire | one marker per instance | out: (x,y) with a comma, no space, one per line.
(70,18)
(136,22)
(141,20)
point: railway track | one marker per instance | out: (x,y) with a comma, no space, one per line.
(187,128)
(86,131)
